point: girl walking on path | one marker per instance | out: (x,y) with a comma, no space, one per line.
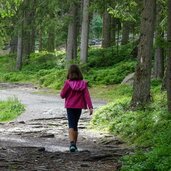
(77,97)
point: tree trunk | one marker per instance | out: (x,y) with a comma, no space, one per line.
(71,52)
(84,32)
(28,20)
(125,33)
(106,42)
(13,44)
(19,51)
(168,78)
(141,85)
(159,51)
(51,40)
(40,41)
(26,30)
(33,36)
(159,63)
(113,30)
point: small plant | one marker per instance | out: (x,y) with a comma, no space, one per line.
(148,128)
(100,58)
(112,75)
(10,109)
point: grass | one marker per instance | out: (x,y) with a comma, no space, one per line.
(10,109)
(44,69)
(148,128)
(110,92)
(48,70)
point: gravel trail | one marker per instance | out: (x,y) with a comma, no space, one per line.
(38,139)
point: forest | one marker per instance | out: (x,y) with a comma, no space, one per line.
(111,41)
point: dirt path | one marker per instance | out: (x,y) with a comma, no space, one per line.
(38,139)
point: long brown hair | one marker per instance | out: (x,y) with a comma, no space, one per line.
(74,73)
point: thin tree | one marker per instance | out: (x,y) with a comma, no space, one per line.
(125,32)
(141,85)
(28,28)
(106,42)
(19,59)
(71,52)
(168,78)
(113,30)
(159,50)
(19,49)
(84,32)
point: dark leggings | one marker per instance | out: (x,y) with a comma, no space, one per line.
(73,117)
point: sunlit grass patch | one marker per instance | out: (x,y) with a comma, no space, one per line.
(10,109)
(111,93)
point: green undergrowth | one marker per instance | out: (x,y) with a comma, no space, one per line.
(44,69)
(111,75)
(148,128)
(105,57)
(109,92)
(48,69)
(10,109)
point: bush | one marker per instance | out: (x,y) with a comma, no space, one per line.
(15,77)
(51,78)
(44,60)
(99,57)
(47,69)
(10,109)
(112,75)
(148,127)
(44,68)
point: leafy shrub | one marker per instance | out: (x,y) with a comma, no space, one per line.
(7,63)
(99,57)
(42,68)
(148,127)
(157,159)
(10,109)
(113,75)
(51,78)
(16,76)
(47,69)
(44,60)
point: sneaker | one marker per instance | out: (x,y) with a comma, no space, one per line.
(72,148)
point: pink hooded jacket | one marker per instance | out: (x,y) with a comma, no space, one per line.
(76,94)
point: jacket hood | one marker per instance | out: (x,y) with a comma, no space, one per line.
(77,85)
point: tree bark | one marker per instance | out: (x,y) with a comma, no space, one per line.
(159,51)
(32,37)
(71,52)
(159,63)
(84,32)
(19,51)
(141,86)
(168,78)
(113,31)
(28,28)
(125,33)
(106,42)
(40,41)
(51,40)
(13,44)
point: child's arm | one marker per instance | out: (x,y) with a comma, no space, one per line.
(64,90)
(88,100)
